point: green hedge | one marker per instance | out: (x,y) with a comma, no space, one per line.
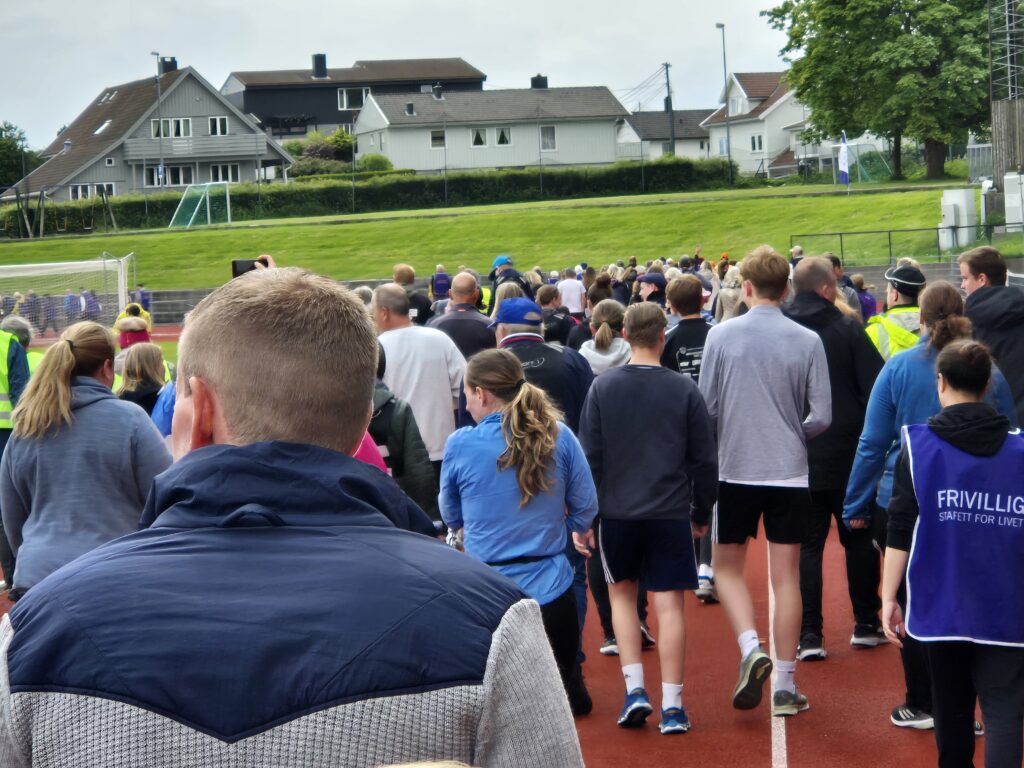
(360,175)
(397,191)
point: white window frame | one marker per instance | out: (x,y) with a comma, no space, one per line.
(554,138)
(110,162)
(215,122)
(106,124)
(343,98)
(472,138)
(426,88)
(169,172)
(75,191)
(444,138)
(756,142)
(497,135)
(723,147)
(666,148)
(182,124)
(232,171)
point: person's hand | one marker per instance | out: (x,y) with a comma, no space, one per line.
(698,531)
(265,261)
(858,523)
(892,622)
(584,543)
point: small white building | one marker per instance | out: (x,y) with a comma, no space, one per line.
(649,135)
(761,110)
(464,130)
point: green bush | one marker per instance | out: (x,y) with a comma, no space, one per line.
(374,162)
(359,175)
(316,166)
(398,190)
(341,142)
(294,147)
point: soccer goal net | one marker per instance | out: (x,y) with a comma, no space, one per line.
(203,204)
(53,296)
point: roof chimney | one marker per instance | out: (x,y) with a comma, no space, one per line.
(319,66)
(67,145)
(539,81)
(438,91)
(168,64)
(410,108)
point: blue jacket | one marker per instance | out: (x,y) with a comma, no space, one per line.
(272,585)
(476,496)
(904,393)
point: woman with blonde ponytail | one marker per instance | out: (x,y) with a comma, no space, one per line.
(79,465)
(607,349)
(516,484)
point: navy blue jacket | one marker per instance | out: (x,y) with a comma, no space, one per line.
(273,583)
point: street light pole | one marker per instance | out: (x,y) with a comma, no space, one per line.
(160,174)
(725,79)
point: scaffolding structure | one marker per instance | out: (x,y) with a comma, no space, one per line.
(1006,84)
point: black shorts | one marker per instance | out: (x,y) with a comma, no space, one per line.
(786,511)
(658,551)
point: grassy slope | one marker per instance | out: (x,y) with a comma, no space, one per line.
(552,235)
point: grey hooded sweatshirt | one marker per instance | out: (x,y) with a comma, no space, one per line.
(80,486)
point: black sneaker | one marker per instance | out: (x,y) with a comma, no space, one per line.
(579,697)
(867,636)
(609,647)
(646,638)
(911,717)
(811,649)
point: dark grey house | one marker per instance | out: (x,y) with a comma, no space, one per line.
(295,101)
(116,143)
(655,131)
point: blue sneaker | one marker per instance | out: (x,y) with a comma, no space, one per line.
(636,709)
(674,720)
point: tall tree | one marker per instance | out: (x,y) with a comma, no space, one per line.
(13,153)
(896,68)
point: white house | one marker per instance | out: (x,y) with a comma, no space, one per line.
(460,130)
(649,134)
(760,109)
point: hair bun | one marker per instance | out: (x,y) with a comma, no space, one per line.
(604,279)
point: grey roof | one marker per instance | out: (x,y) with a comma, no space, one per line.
(501,106)
(123,105)
(366,72)
(654,126)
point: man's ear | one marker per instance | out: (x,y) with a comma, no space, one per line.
(206,413)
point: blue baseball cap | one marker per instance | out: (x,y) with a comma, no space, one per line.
(503,258)
(518,311)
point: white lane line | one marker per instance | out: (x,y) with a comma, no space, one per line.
(780,756)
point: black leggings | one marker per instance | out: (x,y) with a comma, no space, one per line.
(563,630)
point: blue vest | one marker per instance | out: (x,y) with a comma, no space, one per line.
(965,579)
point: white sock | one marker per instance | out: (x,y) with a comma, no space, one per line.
(671,695)
(634,674)
(705,570)
(784,671)
(748,642)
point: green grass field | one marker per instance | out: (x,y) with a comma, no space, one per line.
(551,235)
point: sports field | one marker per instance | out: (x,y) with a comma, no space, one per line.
(551,235)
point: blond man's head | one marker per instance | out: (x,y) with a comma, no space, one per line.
(289,355)
(767,272)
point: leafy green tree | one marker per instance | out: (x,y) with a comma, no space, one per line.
(896,68)
(13,151)
(341,141)
(374,162)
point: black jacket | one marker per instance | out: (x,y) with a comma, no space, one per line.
(562,372)
(975,428)
(558,324)
(507,276)
(997,314)
(853,366)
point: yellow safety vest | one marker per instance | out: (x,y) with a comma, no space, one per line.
(35,357)
(888,337)
(6,421)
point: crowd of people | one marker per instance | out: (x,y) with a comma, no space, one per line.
(365,526)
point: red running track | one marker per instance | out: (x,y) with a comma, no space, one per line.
(851,694)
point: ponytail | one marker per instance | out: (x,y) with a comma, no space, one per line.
(46,403)
(608,318)
(529,421)
(942,314)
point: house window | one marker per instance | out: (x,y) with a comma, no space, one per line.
(425,88)
(102,128)
(173,128)
(478,137)
(666,147)
(109,162)
(108,188)
(504,137)
(437,139)
(174,176)
(79,191)
(723,147)
(373,140)
(735,105)
(352,98)
(225,172)
(702,144)
(218,126)
(547,138)
(346,127)
(755,143)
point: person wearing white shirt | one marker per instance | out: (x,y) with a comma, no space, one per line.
(572,294)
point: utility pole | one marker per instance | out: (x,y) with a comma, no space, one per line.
(160,121)
(668,108)
(725,77)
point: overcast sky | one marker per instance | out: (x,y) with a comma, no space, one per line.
(60,54)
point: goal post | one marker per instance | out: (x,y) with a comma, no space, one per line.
(203,204)
(53,295)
